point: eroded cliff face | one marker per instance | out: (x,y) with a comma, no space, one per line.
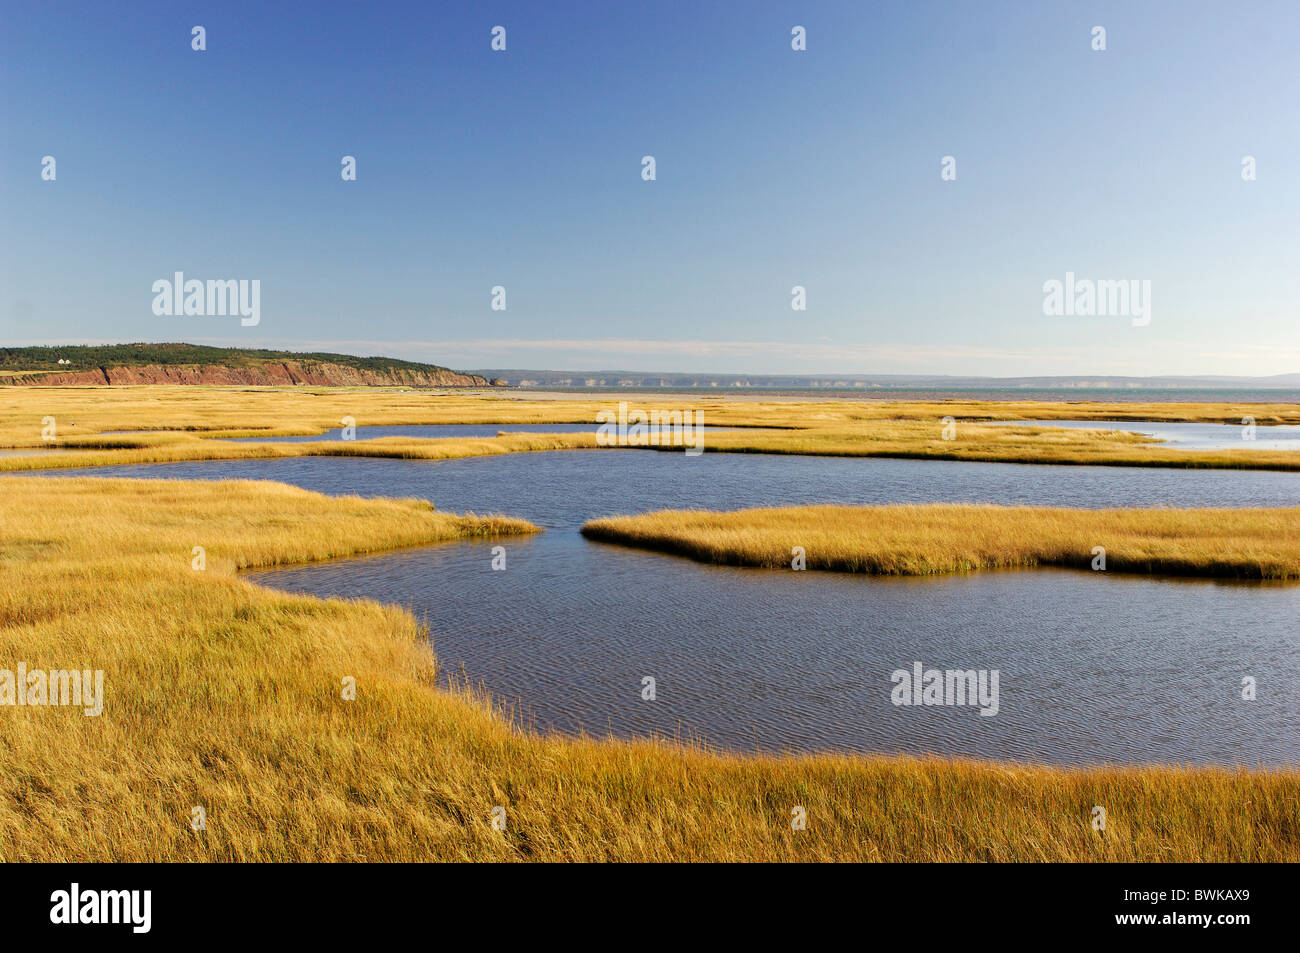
(271,374)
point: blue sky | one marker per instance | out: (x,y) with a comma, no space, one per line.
(775,168)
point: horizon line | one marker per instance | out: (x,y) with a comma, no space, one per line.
(323,348)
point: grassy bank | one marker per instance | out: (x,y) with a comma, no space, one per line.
(948,538)
(192,419)
(975,442)
(226,696)
(93,453)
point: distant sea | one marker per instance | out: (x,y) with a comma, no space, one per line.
(1128,395)
(1118,395)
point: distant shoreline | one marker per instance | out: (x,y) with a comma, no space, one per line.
(1261,395)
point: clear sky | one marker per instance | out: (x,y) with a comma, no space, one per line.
(775,168)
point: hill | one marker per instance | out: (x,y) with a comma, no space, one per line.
(197,364)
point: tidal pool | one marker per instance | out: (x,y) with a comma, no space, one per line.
(1092,667)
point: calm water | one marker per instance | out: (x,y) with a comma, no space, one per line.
(1092,667)
(428,431)
(1189,436)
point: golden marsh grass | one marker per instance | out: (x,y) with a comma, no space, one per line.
(950,538)
(225,695)
(191,418)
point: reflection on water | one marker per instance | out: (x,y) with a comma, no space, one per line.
(1186,436)
(1093,667)
(426,431)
